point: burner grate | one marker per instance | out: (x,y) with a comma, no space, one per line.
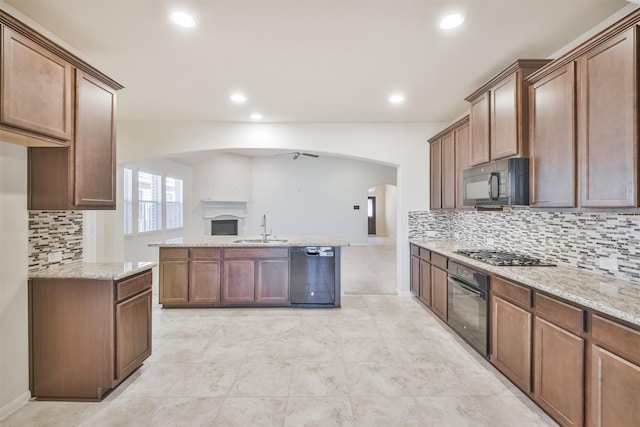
(503,258)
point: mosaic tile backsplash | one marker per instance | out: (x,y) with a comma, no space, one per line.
(594,241)
(57,233)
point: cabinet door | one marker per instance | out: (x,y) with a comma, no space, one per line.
(559,372)
(95,144)
(133,334)
(238,281)
(511,341)
(36,87)
(607,116)
(439,292)
(436,175)
(463,154)
(448,171)
(480,136)
(552,139)
(174,282)
(505,140)
(415,275)
(615,387)
(272,284)
(425,282)
(204,281)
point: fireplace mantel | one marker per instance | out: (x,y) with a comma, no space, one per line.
(223,208)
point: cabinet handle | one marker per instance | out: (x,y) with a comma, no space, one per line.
(489,182)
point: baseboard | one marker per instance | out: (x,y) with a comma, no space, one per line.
(14,405)
(404,293)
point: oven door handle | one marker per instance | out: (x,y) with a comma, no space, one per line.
(466,287)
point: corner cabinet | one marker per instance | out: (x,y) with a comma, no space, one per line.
(86,335)
(499,126)
(222,277)
(449,151)
(83,175)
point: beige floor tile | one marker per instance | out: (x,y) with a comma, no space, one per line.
(252,411)
(319,379)
(366,350)
(263,379)
(320,412)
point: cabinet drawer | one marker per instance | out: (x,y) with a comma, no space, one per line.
(174,253)
(256,253)
(564,315)
(512,292)
(415,250)
(128,287)
(439,261)
(617,338)
(205,253)
(425,254)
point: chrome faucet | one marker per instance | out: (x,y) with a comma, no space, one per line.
(263,224)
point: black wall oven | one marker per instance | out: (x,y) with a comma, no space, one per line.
(468,305)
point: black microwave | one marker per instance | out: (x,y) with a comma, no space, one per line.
(500,183)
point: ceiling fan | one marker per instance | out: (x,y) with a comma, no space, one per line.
(296,155)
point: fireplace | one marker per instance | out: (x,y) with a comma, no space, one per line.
(224,227)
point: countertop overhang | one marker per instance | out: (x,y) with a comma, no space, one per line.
(230,241)
(608,295)
(92,270)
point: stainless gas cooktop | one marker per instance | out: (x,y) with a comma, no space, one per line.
(503,259)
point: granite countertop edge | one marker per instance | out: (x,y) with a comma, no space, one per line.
(231,242)
(611,296)
(92,270)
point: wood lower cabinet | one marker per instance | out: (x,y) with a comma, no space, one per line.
(272,285)
(204,275)
(559,372)
(608,123)
(174,276)
(415,275)
(511,341)
(425,282)
(439,294)
(86,335)
(36,90)
(552,139)
(238,284)
(429,276)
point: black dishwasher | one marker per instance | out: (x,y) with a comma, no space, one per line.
(313,276)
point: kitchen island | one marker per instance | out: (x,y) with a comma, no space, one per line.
(237,271)
(89,327)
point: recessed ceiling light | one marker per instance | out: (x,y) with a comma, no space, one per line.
(451,21)
(256,116)
(396,99)
(183,19)
(238,97)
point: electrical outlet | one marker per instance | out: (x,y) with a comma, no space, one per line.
(55,257)
(610,263)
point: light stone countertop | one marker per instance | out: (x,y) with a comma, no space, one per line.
(92,270)
(229,241)
(615,297)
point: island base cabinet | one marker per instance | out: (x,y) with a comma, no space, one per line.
(174,279)
(272,286)
(559,368)
(133,334)
(204,284)
(238,282)
(511,341)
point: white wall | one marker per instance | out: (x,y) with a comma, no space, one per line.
(14,354)
(391,217)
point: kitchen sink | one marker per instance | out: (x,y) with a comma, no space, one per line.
(261,241)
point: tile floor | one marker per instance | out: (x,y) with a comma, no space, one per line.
(381,360)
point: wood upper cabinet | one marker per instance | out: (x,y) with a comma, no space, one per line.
(479,116)
(462,161)
(36,91)
(511,341)
(436,175)
(608,118)
(614,375)
(439,294)
(552,139)
(499,126)
(448,171)
(94,159)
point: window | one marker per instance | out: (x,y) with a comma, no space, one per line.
(173,202)
(128,201)
(149,202)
